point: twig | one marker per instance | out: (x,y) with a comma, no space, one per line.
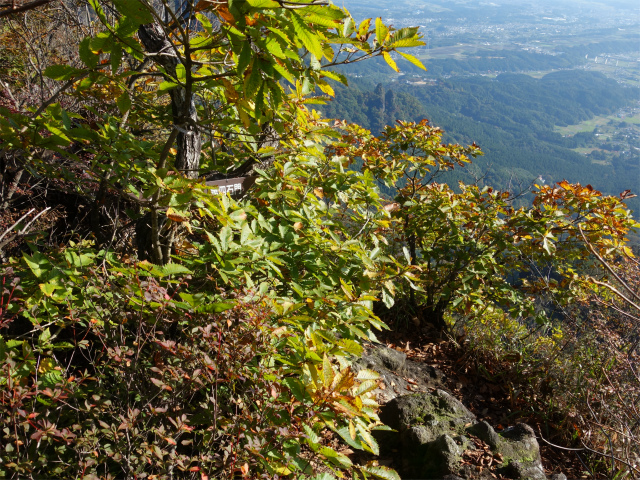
(606,265)
(23,8)
(21,232)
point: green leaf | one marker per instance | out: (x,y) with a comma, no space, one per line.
(274,48)
(61,72)
(321,20)
(126,28)
(95,4)
(412,59)
(406,33)
(263,4)
(244,58)
(346,436)
(370,443)
(327,11)
(51,379)
(406,43)
(351,346)
(135,10)
(308,38)
(253,81)
(226,237)
(181,73)
(387,298)
(175,269)
(335,76)
(47,289)
(313,437)
(101,42)
(385,473)
(323,476)
(124,102)
(284,72)
(348,26)
(218,307)
(44,337)
(297,389)
(89,58)
(166,86)
(205,22)
(116,58)
(336,458)
(38,264)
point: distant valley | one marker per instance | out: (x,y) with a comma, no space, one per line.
(549,92)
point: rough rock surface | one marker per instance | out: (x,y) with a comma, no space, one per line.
(398,374)
(435,432)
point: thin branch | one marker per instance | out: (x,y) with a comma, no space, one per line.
(606,265)
(15,224)
(617,292)
(22,8)
(24,229)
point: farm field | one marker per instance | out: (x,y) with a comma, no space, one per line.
(605,125)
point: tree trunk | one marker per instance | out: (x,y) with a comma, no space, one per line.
(183,106)
(434,314)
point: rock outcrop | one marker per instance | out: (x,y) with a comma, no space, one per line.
(436,436)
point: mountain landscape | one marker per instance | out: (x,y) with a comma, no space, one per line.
(549,92)
(238,242)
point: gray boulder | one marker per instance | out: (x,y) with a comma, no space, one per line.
(521,453)
(399,375)
(430,430)
(433,429)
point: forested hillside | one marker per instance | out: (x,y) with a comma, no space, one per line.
(512,117)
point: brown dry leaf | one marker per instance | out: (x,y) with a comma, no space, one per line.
(392,207)
(176,218)
(221,8)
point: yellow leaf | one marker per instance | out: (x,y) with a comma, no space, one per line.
(326,88)
(327,372)
(46,365)
(352,430)
(390,61)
